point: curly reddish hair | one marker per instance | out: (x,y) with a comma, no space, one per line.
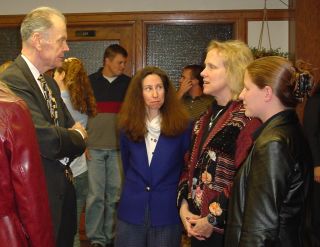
(132,116)
(77,82)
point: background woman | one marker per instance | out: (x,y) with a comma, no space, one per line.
(220,140)
(268,195)
(154,139)
(77,94)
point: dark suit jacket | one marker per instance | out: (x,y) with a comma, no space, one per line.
(153,186)
(56,142)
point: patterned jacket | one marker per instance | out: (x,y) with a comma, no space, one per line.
(210,168)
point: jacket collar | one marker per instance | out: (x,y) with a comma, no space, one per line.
(22,65)
(281,118)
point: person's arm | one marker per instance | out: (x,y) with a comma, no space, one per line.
(28,180)
(183,187)
(267,186)
(55,142)
(124,151)
(244,141)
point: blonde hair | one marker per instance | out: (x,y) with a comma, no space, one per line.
(236,57)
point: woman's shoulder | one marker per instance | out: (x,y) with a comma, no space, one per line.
(287,134)
(237,110)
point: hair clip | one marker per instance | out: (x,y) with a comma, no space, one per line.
(303,85)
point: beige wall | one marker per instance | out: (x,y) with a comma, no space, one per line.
(279,34)
(83,6)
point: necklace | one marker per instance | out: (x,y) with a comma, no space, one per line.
(213,118)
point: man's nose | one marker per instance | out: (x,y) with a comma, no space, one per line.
(66,47)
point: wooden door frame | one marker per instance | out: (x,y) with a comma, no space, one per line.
(122,32)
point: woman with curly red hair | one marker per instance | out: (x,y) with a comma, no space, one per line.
(77,94)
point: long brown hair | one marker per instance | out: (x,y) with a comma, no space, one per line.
(77,82)
(132,116)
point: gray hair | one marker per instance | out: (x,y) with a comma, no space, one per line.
(38,20)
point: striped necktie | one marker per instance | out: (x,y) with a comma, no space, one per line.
(51,101)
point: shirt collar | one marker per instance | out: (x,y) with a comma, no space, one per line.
(35,72)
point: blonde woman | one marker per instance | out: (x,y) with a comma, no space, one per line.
(220,140)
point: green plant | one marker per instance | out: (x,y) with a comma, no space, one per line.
(263,52)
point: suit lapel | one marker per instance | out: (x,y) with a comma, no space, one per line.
(143,165)
(22,65)
(156,151)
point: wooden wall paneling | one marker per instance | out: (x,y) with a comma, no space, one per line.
(129,17)
(242,28)
(305,33)
(131,26)
(136,39)
(139,41)
(10,20)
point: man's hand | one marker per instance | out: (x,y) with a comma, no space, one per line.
(184,88)
(78,127)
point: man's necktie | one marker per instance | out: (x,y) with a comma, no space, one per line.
(52,106)
(51,101)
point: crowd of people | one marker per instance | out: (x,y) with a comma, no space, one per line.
(222,159)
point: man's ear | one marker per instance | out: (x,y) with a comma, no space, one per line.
(36,40)
(268,93)
(107,60)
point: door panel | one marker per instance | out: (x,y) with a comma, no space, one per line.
(89,42)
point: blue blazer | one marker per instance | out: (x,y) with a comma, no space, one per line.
(153,186)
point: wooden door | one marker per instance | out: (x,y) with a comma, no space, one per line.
(89,42)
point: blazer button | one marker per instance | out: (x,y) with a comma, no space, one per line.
(148,188)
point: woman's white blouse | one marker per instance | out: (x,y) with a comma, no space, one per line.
(152,136)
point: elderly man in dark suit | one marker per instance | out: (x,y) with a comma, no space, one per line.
(44,35)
